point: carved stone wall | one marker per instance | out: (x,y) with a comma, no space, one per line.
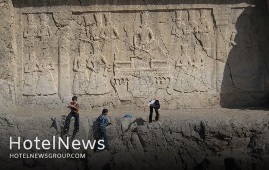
(186,55)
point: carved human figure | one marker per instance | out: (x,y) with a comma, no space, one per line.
(109,33)
(81,76)
(204,31)
(193,27)
(232,38)
(45,83)
(45,31)
(30,32)
(145,47)
(144,36)
(197,71)
(181,29)
(30,75)
(95,30)
(184,80)
(98,81)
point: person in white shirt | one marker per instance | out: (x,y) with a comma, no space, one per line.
(154,104)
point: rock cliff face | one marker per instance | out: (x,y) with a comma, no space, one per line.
(121,53)
(113,53)
(189,141)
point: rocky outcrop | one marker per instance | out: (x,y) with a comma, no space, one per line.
(194,142)
(7,56)
(118,53)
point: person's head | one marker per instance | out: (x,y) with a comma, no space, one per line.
(105,111)
(44,19)
(157,104)
(74,98)
(98,19)
(108,18)
(30,18)
(144,18)
(32,55)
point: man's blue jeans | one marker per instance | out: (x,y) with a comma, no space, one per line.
(103,135)
(68,118)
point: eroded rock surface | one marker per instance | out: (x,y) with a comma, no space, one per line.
(183,142)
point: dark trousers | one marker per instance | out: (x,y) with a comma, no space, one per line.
(68,118)
(151,112)
(103,135)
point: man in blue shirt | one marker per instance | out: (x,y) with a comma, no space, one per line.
(154,104)
(103,122)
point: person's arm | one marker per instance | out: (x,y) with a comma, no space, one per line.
(50,32)
(25,33)
(151,36)
(77,106)
(116,34)
(90,65)
(75,64)
(36,65)
(106,63)
(107,122)
(103,34)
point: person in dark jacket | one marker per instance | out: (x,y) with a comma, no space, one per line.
(103,122)
(154,104)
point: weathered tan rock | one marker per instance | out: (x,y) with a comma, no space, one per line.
(133,51)
(234,139)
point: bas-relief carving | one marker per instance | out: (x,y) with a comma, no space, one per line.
(31,68)
(139,70)
(170,52)
(30,32)
(45,83)
(97,67)
(81,77)
(145,47)
(38,76)
(146,69)
(98,81)
(146,54)
(44,33)
(191,34)
(190,73)
(204,32)
(110,35)
(191,27)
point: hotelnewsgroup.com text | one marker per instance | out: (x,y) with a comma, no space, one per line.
(45,145)
(46,155)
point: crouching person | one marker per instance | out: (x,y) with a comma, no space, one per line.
(154,104)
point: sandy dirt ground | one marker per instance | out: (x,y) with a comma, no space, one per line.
(208,114)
